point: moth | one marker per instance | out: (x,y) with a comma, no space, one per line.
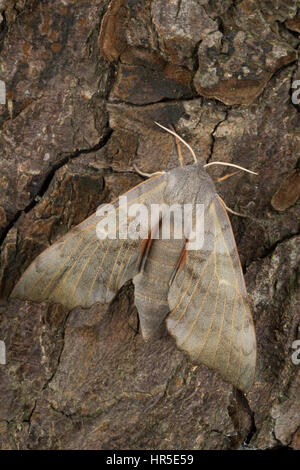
(198,295)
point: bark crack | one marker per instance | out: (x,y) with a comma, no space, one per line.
(60,352)
(242,418)
(273,247)
(49,178)
(28,420)
(153,28)
(212,135)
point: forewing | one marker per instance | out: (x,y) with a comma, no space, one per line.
(80,269)
(210,316)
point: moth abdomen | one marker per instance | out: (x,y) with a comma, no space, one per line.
(152,285)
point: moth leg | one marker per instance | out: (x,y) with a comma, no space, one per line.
(148,175)
(231,211)
(228,175)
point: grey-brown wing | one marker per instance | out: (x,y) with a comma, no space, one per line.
(80,269)
(210,316)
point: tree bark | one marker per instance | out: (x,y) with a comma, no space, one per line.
(85,81)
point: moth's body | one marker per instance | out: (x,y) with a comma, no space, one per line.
(152,284)
(200,293)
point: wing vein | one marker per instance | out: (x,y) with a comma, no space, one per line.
(98,270)
(211,323)
(231,334)
(199,311)
(83,269)
(193,292)
(81,232)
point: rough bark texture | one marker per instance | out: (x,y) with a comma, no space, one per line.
(85,80)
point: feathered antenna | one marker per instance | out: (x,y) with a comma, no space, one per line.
(180,138)
(194,156)
(230,164)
